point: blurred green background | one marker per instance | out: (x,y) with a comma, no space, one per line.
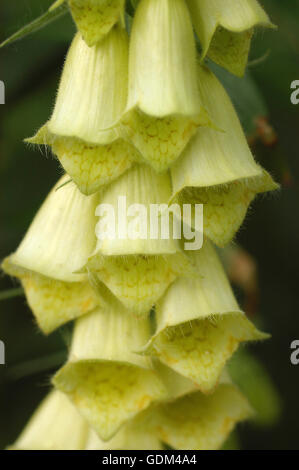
(30,70)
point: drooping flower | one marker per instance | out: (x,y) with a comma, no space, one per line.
(201,422)
(217,168)
(107,381)
(91,99)
(198,331)
(136,435)
(183,419)
(57,425)
(137,268)
(56,245)
(164,106)
(118,129)
(225,29)
(94,18)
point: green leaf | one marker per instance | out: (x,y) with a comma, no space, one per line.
(55,12)
(254,381)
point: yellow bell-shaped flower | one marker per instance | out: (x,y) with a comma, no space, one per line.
(95,18)
(136,264)
(55,425)
(199,324)
(104,377)
(164,106)
(200,422)
(217,168)
(225,29)
(91,99)
(57,245)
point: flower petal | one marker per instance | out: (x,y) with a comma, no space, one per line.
(54,303)
(93,85)
(164,107)
(137,270)
(61,237)
(135,435)
(57,244)
(217,168)
(201,422)
(104,378)
(225,29)
(95,18)
(56,425)
(198,331)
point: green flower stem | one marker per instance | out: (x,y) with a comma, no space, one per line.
(11,293)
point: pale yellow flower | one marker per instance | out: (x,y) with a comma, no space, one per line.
(94,18)
(201,422)
(55,425)
(137,271)
(107,381)
(136,435)
(199,323)
(56,245)
(225,29)
(164,107)
(217,168)
(91,99)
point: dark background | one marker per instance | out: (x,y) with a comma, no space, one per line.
(31,69)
